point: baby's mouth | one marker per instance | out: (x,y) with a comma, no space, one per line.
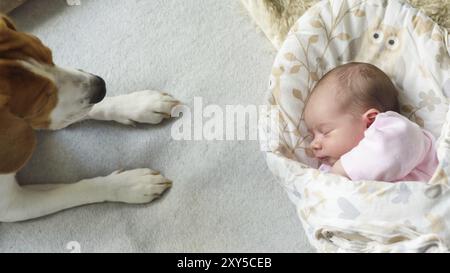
(323,159)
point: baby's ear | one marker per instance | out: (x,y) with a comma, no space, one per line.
(17,142)
(369,116)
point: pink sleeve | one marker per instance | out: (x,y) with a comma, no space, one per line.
(391,148)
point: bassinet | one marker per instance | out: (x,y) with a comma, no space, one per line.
(363,216)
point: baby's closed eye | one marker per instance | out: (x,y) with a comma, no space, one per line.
(325,131)
(320,134)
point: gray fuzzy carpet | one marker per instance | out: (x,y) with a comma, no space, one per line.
(224,199)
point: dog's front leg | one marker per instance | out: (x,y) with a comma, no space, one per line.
(143,106)
(20,203)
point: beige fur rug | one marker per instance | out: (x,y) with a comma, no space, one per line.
(275,17)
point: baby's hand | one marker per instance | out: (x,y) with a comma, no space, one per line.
(338,169)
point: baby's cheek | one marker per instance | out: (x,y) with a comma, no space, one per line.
(343,145)
(334,146)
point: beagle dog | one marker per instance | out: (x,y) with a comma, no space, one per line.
(37,94)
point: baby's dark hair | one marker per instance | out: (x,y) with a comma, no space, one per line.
(362,86)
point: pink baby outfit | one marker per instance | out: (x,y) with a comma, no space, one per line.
(393,149)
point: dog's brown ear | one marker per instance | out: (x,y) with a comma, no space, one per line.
(18,45)
(17,142)
(27,95)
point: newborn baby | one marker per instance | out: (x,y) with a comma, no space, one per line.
(357,131)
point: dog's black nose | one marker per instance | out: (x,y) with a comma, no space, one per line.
(98,90)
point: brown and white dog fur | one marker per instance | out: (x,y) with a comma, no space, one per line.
(37,94)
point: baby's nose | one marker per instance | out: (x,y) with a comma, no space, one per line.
(315,145)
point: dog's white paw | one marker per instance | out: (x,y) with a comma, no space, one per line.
(144,107)
(136,186)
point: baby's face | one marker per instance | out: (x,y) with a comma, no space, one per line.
(335,131)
